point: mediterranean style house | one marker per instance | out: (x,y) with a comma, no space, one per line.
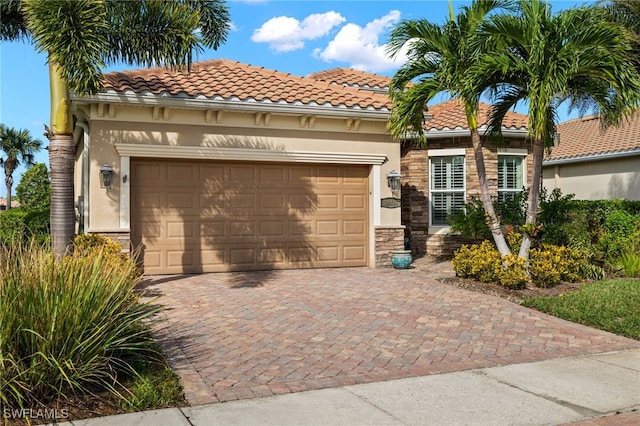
(237,167)
(595,163)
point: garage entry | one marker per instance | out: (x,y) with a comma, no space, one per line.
(200,216)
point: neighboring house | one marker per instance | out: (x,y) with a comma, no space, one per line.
(595,163)
(236,167)
(3,204)
(440,178)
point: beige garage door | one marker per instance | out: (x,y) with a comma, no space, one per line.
(201,216)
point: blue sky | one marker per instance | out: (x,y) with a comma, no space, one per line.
(299,37)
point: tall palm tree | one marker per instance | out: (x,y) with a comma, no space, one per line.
(439,57)
(80,38)
(576,56)
(16,147)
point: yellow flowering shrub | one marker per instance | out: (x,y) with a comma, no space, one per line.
(549,265)
(512,272)
(476,261)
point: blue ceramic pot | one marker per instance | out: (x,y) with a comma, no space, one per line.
(401,259)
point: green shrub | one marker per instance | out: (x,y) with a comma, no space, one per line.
(66,327)
(549,265)
(34,189)
(477,261)
(21,225)
(512,272)
(554,215)
(471,222)
(620,233)
(592,272)
(629,264)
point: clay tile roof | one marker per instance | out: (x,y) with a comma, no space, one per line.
(352,78)
(450,115)
(229,80)
(582,137)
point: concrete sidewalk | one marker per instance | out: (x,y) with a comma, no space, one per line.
(581,390)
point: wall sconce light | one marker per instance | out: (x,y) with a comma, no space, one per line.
(393,179)
(106,176)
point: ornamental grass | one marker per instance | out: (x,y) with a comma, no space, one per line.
(69,327)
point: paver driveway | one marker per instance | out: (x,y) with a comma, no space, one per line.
(243,335)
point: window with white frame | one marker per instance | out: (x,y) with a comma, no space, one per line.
(446,187)
(510,176)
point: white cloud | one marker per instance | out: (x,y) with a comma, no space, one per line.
(361,48)
(284,33)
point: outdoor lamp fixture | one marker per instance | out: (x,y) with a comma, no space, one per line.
(106,176)
(393,179)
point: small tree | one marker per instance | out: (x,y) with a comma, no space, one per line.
(34,189)
(16,147)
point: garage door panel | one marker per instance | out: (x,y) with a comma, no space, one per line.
(272,228)
(148,200)
(148,172)
(210,228)
(328,174)
(238,228)
(273,202)
(354,253)
(326,202)
(241,175)
(197,216)
(328,254)
(180,201)
(302,202)
(354,201)
(181,174)
(272,256)
(328,228)
(242,256)
(275,175)
(354,228)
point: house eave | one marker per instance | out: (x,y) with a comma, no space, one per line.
(593,157)
(234,105)
(453,133)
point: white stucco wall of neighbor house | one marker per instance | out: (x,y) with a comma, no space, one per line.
(596,180)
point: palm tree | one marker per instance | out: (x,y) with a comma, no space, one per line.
(17,147)
(575,56)
(80,38)
(627,12)
(439,57)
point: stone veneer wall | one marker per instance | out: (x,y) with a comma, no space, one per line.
(388,239)
(414,168)
(122,238)
(443,245)
(415,190)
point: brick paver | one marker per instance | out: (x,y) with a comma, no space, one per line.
(244,335)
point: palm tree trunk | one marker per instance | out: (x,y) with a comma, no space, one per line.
(534,195)
(62,159)
(485,196)
(8,180)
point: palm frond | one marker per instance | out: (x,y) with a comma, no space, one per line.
(12,23)
(72,33)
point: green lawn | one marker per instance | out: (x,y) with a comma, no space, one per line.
(611,305)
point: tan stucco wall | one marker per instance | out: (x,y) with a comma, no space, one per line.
(136,125)
(596,180)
